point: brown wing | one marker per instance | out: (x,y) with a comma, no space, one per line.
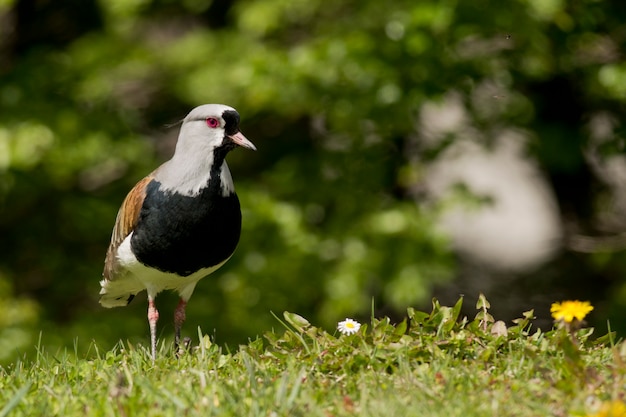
(125,222)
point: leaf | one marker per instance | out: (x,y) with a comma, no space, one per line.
(484,317)
(297,321)
(499,329)
(607,339)
(401,328)
(417,317)
(482,302)
(447,321)
(456,310)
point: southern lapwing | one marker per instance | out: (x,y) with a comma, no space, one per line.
(181,222)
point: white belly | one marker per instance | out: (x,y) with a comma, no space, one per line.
(138,277)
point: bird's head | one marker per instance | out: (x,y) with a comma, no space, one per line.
(210,127)
(208,133)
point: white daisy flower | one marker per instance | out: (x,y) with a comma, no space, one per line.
(348,326)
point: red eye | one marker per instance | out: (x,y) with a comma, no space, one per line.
(212,122)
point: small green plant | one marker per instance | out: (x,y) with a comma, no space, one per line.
(436,363)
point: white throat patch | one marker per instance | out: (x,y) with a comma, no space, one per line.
(189,182)
(227,185)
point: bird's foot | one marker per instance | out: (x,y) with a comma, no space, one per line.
(182,348)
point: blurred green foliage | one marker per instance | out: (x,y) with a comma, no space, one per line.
(330,92)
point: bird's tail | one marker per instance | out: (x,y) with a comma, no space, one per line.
(118,293)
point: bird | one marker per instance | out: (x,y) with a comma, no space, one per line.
(181,222)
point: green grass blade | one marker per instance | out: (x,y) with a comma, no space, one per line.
(13,402)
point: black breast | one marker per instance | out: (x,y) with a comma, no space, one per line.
(181,234)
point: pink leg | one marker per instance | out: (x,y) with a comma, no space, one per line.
(179,319)
(153,317)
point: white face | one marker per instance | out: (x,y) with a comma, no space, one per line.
(204,127)
(203,130)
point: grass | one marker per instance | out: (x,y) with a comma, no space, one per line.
(432,364)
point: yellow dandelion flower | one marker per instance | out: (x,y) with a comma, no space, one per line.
(611,409)
(570,310)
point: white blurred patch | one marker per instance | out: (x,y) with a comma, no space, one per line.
(518,228)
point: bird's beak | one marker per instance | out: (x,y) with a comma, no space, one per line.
(241,140)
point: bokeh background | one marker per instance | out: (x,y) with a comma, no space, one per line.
(407,150)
